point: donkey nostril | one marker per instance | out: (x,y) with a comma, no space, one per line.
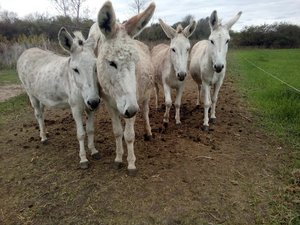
(185,74)
(222,66)
(127,113)
(89,103)
(215,66)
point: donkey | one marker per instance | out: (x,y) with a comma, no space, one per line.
(123,73)
(63,82)
(208,64)
(170,63)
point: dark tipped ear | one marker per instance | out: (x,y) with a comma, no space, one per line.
(189,30)
(107,19)
(137,23)
(213,20)
(169,31)
(232,21)
(65,40)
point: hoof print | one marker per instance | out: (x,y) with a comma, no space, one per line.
(45,142)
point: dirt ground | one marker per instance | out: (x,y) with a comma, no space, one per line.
(185,176)
(9,91)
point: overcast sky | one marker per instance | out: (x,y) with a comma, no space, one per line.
(255,12)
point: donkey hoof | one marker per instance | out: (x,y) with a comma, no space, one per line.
(205,128)
(132,173)
(213,120)
(45,142)
(117,165)
(166,125)
(178,126)
(84,165)
(96,156)
(197,106)
(148,137)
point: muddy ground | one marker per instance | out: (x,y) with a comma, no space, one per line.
(228,175)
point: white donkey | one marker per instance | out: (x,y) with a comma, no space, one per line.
(170,63)
(62,82)
(208,64)
(123,67)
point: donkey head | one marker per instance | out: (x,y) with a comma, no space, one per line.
(219,39)
(180,46)
(118,55)
(82,65)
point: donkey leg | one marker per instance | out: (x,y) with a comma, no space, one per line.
(90,134)
(39,114)
(177,105)
(214,99)
(77,115)
(168,101)
(145,107)
(118,133)
(198,95)
(129,136)
(156,90)
(207,104)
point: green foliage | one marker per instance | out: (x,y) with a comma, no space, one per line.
(276,105)
(277,35)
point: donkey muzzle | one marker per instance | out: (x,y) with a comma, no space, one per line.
(181,76)
(93,103)
(218,67)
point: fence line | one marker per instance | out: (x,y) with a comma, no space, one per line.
(271,75)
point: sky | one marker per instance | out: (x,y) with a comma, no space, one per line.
(255,12)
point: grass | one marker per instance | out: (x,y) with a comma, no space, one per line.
(276,105)
(14,106)
(9,76)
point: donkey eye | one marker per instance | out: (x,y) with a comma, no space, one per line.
(188,50)
(76,71)
(173,49)
(227,41)
(211,41)
(113,64)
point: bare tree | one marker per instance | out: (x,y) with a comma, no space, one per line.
(76,6)
(138,5)
(63,7)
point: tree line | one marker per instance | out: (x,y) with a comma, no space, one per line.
(277,35)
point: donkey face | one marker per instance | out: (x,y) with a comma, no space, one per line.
(82,66)
(118,56)
(219,39)
(180,46)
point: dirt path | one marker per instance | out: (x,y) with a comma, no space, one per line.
(185,176)
(9,91)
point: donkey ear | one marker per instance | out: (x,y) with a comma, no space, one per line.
(107,19)
(136,24)
(169,31)
(65,40)
(189,30)
(230,23)
(213,20)
(94,35)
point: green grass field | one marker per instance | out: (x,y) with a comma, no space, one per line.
(9,76)
(276,108)
(275,104)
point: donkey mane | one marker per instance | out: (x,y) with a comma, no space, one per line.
(125,51)
(179,29)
